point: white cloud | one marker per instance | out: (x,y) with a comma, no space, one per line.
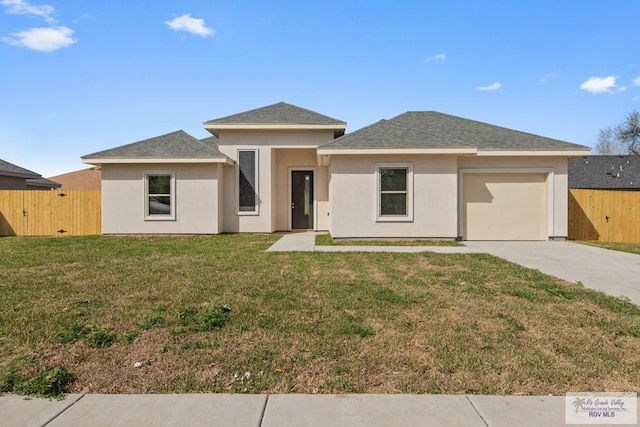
(548,77)
(20,7)
(42,39)
(602,85)
(636,81)
(636,98)
(493,86)
(190,25)
(439,57)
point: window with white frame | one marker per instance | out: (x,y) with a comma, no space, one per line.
(159,190)
(394,187)
(247,182)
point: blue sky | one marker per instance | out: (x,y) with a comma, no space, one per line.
(78,77)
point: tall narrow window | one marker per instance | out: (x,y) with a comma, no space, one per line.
(394,187)
(247,173)
(159,196)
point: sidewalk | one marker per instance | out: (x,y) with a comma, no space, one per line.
(284,410)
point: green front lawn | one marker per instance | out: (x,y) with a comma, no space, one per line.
(300,322)
(633,248)
(327,240)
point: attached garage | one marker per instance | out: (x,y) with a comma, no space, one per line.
(504,206)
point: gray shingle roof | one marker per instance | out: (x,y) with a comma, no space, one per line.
(174,145)
(389,134)
(42,182)
(280,113)
(431,129)
(9,169)
(605,172)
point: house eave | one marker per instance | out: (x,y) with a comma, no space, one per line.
(364,151)
(533,153)
(100,161)
(338,128)
(19,175)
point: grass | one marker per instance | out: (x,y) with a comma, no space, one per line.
(327,240)
(219,314)
(632,248)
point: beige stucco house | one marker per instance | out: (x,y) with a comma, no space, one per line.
(282,167)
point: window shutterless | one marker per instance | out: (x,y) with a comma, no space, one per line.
(159,196)
(247,182)
(394,187)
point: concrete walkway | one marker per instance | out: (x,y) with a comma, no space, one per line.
(305,241)
(612,272)
(299,410)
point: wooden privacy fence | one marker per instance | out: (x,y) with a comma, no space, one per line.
(604,215)
(49,212)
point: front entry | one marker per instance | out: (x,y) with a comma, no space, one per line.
(302,200)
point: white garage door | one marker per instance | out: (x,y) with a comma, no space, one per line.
(504,206)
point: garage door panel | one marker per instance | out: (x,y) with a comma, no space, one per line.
(504,206)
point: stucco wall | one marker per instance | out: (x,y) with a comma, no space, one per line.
(12,183)
(196,199)
(353,197)
(277,151)
(560,180)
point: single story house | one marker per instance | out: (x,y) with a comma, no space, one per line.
(421,174)
(13,177)
(611,172)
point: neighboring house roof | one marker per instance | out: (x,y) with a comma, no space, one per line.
(42,183)
(31,178)
(434,130)
(276,116)
(84,179)
(9,169)
(175,147)
(605,172)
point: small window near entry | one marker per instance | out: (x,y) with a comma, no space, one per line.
(394,182)
(159,196)
(247,180)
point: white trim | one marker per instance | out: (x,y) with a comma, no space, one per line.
(400,218)
(271,126)
(530,153)
(550,181)
(159,217)
(98,161)
(338,151)
(255,212)
(314,170)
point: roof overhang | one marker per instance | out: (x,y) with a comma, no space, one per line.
(43,184)
(324,154)
(534,153)
(364,151)
(99,161)
(215,127)
(19,174)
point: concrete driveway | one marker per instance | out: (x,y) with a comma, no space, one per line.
(615,273)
